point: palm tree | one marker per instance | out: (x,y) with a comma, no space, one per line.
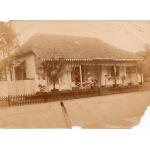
(53,71)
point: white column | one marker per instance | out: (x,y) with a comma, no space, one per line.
(8,74)
(13,73)
(124,68)
(115,71)
(81,82)
(136,74)
(103,77)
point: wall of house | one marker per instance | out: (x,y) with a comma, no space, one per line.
(30,68)
(65,79)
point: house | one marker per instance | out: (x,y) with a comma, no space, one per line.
(88,62)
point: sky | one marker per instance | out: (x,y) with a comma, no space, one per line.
(128,35)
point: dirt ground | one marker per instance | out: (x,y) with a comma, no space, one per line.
(113,111)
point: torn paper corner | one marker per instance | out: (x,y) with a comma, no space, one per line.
(76,127)
(145,120)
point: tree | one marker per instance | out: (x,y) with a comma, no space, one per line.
(8,39)
(145,65)
(8,44)
(52,70)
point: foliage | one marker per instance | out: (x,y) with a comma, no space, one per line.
(52,70)
(145,65)
(8,39)
(8,44)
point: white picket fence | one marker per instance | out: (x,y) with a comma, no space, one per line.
(19,87)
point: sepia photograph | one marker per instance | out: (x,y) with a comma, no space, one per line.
(90,74)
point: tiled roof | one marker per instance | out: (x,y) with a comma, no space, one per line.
(73,47)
